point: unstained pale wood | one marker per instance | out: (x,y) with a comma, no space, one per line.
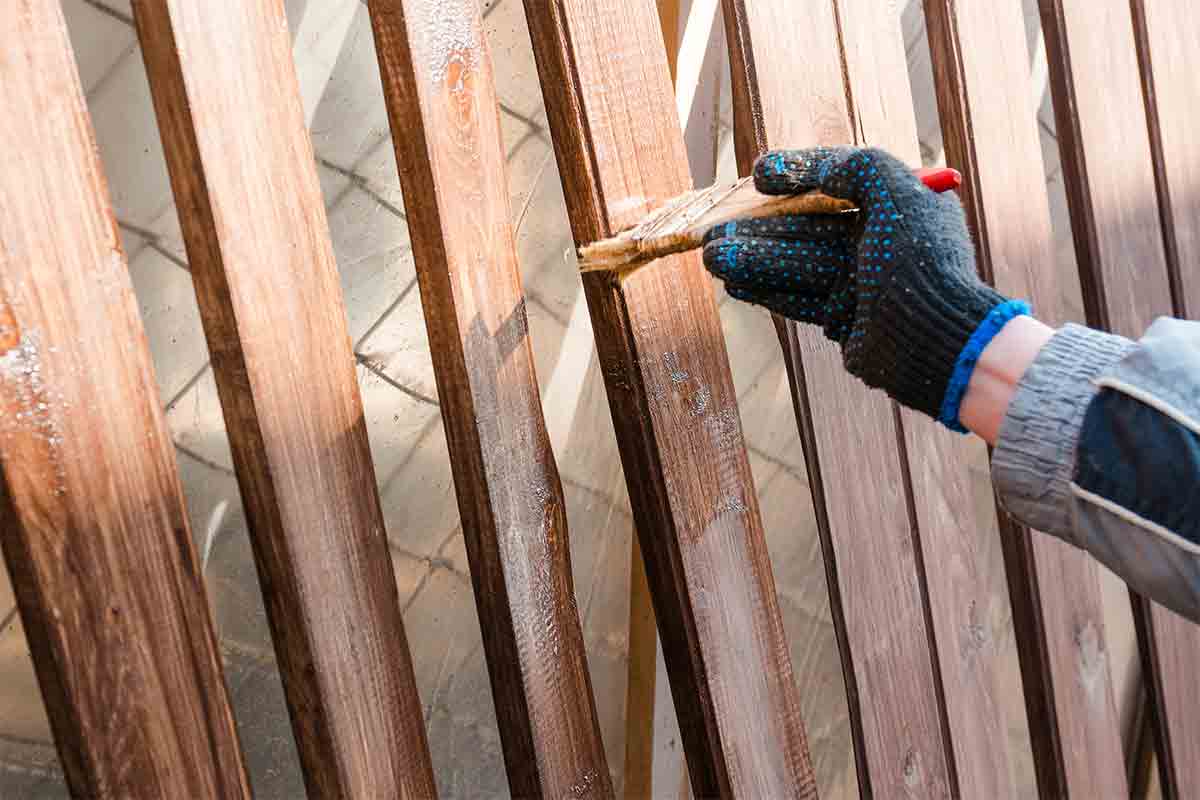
(620,152)
(250,206)
(1109,176)
(442,104)
(92,521)
(983,85)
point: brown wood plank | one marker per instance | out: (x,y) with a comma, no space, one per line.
(446,131)
(1168,39)
(1109,177)
(92,521)
(620,152)
(245,182)
(983,85)
(868,533)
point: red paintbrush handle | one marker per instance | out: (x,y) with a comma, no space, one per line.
(940,179)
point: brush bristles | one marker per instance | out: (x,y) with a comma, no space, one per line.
(616,250)
(680,224)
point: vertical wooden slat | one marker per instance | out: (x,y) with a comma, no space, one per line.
(983,88)
(608,96)
(442,105)
(668,20)
(245,183)
(91,514)
(1168,40)
(922,727)
(641,684)
(1109,176)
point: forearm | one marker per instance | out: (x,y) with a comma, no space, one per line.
(1100,446)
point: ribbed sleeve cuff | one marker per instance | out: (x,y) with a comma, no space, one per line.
(1034,457)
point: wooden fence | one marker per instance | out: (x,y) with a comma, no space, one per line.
(92,520)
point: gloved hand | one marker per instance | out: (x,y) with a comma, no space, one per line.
(893,283)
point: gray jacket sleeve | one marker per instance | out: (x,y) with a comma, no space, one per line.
(1100,446)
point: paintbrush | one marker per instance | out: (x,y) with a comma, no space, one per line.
(680,224)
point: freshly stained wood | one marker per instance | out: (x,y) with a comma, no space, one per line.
(446,131)
(983,84)
(257,239)
(1168,38)
(92,521)
(608,94)
(925,718)
(1108,172)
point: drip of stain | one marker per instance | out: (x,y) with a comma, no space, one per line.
(700,401)
(734,505)
(678,374)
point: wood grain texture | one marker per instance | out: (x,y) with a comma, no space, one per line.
(92,521)
(1168,40)
(1109,177)
(926,719)
(245,183)
(983,86)
(620,152)
(441,101)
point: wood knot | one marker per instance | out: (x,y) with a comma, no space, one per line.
(1093,660)
(460,85)
(911,769)
(10,331)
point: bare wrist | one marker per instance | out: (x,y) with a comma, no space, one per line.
(996,375)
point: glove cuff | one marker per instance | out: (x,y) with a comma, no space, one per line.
(996,319)
(925,337)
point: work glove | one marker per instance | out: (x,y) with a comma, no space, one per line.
(893,283)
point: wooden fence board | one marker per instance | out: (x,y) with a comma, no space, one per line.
(903,745)
(446,131)
(620,151)
(91,512)
(1168,39)
(245,182)
(1109,176)
(989,124)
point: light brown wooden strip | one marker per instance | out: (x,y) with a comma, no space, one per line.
(1109,176)
(989,125)
(910,702)
(1168,39)
(442,105)
(620,152)
(640,689)
(245,183)
(668,19)
(91,513)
